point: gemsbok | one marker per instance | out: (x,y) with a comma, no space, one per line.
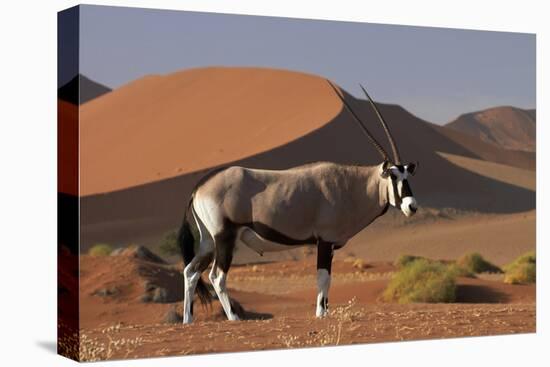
(322,204)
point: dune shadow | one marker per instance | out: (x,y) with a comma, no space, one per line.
(470,293)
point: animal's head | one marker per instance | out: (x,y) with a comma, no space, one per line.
(396,174)
(399,191)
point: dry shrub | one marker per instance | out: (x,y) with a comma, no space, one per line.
(523,270)
(459,271)
(405,260)
(422,281)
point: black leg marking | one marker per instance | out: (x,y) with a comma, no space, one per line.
(225,244)
(325,253)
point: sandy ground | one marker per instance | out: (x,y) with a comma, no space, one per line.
(357,325)
(277,303)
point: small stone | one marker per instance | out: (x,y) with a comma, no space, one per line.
(172,317)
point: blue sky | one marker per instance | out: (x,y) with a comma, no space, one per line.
(435,73)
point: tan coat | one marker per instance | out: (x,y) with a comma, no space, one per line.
(321,201)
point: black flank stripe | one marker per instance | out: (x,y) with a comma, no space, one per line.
(273,235)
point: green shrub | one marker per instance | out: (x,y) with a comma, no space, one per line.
(100,249)
(422,281)
(523,270)
(169,244)
(475,263)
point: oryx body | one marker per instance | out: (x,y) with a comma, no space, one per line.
(322,204)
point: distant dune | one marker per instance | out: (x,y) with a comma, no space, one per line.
(508,127)
(145,145)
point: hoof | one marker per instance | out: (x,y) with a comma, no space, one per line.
(321,313)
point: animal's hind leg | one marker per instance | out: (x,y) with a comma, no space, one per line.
(192,274)
(225,244)
(325,252)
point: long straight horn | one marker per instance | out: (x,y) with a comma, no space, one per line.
(386,129)
(363,127)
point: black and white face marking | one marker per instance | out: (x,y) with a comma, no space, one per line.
(399,191)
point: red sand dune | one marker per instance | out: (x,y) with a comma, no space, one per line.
(508,127)
(164,126)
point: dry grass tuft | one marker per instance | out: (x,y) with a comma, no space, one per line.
(94,349)
(475,263)
(359,264)
(340,320)
(405,260)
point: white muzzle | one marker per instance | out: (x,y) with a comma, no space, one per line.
(408,206)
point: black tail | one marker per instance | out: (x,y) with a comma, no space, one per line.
(186,243)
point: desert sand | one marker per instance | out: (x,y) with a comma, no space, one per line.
(276,302)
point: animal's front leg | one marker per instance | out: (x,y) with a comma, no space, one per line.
(325,251)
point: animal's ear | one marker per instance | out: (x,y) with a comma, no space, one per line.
(411,168)
(385,169)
